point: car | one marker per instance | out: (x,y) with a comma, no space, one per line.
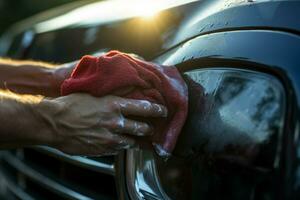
(240,60)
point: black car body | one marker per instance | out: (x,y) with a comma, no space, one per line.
(241,62)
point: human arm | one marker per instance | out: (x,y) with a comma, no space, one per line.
(77,124)
(28,77)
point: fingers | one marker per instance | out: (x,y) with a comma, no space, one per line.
(136,128)
(142,108)
(127,126)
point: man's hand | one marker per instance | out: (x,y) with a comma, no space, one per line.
(85,125)
(75,124)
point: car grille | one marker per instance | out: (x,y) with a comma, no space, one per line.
(45,173)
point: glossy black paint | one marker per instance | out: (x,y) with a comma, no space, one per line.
(219,15)
(228,148)
(272,52)
(171,27)
(134,34)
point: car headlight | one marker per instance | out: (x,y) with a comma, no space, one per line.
(229,147)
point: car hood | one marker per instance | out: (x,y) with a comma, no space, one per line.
(197,17)
(192,18)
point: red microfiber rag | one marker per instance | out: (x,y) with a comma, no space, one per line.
(116,71)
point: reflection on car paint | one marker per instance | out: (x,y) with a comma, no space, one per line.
(232,132)
(245,108)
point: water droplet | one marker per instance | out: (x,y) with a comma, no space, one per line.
(202,29)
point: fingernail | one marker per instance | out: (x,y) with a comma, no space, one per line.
(161,109)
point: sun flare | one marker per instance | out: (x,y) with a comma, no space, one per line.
(145,8)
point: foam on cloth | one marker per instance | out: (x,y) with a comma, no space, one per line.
(137,79)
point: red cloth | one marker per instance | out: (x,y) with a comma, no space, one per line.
(116,71)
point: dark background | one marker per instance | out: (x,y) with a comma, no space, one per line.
(12,11)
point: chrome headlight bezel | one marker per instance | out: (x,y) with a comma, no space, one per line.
(142,176)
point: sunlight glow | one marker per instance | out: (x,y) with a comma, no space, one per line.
(146,8)
(104,12)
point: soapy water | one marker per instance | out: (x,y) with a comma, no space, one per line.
(144,104)
(121,122)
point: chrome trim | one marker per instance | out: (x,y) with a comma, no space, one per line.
(41,179)
(15,189)
(79,160)
(141,176)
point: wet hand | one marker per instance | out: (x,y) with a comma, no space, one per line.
(85,125)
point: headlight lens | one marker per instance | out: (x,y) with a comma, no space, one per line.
(229,146)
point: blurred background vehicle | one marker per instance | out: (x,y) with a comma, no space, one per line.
(16,10)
